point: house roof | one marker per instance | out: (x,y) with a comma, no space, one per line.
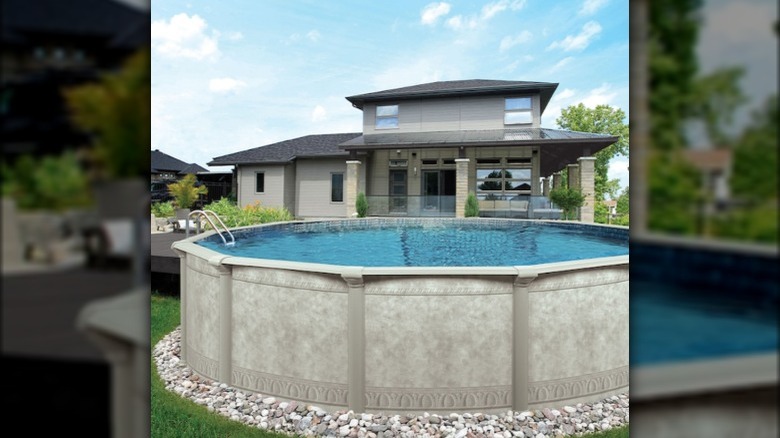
(319,145)
(121,25)
(558,147)
(468,87)
(161,161)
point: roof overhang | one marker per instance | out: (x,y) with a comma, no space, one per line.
(555,153)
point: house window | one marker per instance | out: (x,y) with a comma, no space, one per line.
(517,111)
(259,182)
(504,182)
(336,187)
(386,116)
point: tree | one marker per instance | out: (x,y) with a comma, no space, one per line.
(184,191)
(754,176)
(568,199)
(713,99)
(603,119)
(472,206)
(361,205)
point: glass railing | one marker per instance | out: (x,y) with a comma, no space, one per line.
(412,206)
(522,207)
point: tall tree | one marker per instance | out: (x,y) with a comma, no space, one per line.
(603,119)
(714,98)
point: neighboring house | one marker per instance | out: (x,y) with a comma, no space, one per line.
(422,150)
(164,166)
(715,168)
(611,205)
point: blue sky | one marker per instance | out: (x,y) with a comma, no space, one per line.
(232,75)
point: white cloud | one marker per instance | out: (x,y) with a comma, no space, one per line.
(589,7)
(618,169)
(510,41)
(184,36)
(458,23)
(318,114)
(314,35)
(562,63)
(491,9)
(431,13)
(565,94)
(234,36)
(225,85)
(602,95)
(579,41)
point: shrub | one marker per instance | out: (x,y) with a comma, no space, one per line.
(235,216)
(52,182)
(472,206)
(162,209)
(184,191)
(361,205)
(568,199)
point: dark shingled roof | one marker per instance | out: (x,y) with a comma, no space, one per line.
(319,145)
(459,88)
(192,168)
(161,161)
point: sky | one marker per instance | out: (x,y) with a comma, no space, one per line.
(233,75)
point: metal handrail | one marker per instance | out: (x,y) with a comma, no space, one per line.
(205,214)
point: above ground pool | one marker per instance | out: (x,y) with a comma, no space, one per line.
(411,315)
(425,243)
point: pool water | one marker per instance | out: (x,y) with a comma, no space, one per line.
(671,324)
(420,245)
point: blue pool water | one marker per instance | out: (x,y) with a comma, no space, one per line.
(672,324)
(421,243)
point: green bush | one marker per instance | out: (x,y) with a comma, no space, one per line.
(53,182)
(568,199)
(162,209)
(472,206)
(235,216)
(361,205)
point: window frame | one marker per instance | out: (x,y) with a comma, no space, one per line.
(257,173)
(503,179)
(332,174)
(515,111)
(386,117)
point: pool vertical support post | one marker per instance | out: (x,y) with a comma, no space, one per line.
(182,302)
(520,335)
(356,339)
(225,318)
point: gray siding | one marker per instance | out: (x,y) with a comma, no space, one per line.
(312,191)
(289,187)
(273,196)
(447,114)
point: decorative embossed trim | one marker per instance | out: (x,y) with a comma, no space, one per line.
(201,364)
(575,387)
(455,399)
(289,387)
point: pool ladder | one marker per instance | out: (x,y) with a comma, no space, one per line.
(205,214)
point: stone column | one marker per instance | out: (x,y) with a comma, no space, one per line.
(557,180)
(587,181)
(352,186)
(461,186)
(573,176)
(546,187)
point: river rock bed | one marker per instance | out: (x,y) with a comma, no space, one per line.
(295,418)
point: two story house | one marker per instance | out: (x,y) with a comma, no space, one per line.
(423,148)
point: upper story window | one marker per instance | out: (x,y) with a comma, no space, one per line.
(386,116)
(518,111)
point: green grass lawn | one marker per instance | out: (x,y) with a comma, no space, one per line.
(174,416)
